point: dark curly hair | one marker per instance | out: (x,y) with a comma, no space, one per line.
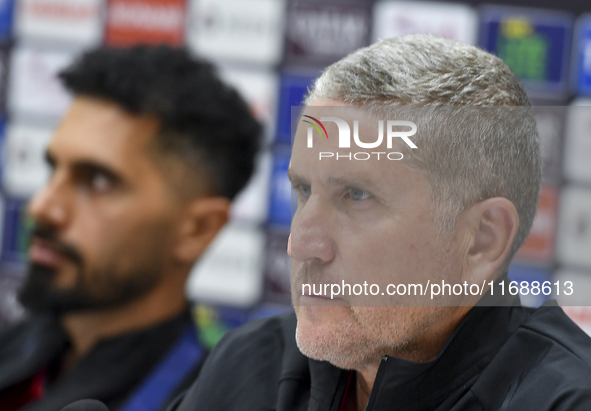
(204,122)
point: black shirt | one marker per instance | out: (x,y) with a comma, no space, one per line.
(498,358)
(110,372)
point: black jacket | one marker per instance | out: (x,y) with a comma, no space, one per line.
(498,358)
(111,371)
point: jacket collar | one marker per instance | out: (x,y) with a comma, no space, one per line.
(420,385)
(469,349)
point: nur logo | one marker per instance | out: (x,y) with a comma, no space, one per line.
(316,127)
(392,131)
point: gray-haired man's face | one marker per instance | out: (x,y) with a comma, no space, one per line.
(363,221)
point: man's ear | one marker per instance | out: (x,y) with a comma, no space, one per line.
(203,220)
(494,223)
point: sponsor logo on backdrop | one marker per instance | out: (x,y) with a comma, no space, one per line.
(328,32)
(213,20)
(524,50)
(238,30)
(320,33)
(150,22)
(534,43)
(25,170)
(34,88)
(397,18)
(77,22)
(146,16)
(52,9)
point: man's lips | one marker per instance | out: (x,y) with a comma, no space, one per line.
(41,252)
(309,298)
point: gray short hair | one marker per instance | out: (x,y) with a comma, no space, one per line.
(482,151)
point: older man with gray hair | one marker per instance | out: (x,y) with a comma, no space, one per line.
(444,206)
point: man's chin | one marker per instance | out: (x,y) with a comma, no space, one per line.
(313,340)
(34,292)
(332,342)
(38,294)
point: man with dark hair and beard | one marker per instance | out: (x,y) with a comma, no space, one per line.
(144,166)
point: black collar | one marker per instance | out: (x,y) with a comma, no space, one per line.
(422,385)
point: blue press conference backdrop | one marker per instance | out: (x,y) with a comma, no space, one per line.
(272,50)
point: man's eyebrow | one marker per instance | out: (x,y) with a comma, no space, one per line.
(294,178)
(87,165)
(359,182)
(93,166)
(350,182)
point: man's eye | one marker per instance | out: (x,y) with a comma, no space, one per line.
(100,182)
(358,195)
(95,181)
(305,190)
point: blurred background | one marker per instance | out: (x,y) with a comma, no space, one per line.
(271,51)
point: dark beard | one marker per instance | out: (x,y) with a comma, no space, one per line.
(37,294)
(93,291)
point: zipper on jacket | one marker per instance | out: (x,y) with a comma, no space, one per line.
(376,384)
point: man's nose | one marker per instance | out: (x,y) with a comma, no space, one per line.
(310,236)
(49,205)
